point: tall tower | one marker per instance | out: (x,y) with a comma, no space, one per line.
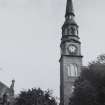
(71,58)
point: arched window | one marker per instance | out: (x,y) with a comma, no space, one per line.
(72,70)
(65,31)
(72,89)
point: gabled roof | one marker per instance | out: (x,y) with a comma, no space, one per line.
(3,88)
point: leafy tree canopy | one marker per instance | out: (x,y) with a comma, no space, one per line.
(35,97)
(99,60)
(90,86)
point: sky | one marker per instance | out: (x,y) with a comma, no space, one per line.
(30,35)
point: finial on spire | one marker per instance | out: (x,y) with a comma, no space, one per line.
(69,8)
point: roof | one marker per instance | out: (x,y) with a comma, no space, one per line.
(4,88)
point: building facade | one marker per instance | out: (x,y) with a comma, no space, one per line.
(71,58)
(6,93)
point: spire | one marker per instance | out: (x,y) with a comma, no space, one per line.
(70,26)
(12,87)
(69,8)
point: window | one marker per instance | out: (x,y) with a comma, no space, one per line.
(72,89)
(72,70)
(66,31)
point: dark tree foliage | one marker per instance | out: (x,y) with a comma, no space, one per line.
(99,60)
(35,97)
(90,86)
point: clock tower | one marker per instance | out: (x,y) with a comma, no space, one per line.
(71,58)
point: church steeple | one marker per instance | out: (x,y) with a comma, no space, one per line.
(71,58)
(69,8)
(70,27)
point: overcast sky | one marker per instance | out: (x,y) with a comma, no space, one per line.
(30,33)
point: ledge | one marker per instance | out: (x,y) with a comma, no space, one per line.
(80,56)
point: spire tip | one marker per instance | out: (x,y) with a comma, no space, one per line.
(69,8)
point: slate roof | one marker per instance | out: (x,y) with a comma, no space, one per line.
(4,88)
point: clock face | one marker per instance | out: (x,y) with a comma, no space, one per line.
(72,49)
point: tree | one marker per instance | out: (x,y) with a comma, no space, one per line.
(90,86)
(99,60)
(35,97)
